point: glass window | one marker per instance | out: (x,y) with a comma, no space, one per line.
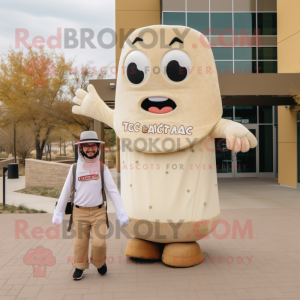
(265,114)
(221,53)
(245,67)
(196,5)
(228,113)
(245,53)
(246,114)
(244,23)
(220,5)
(267,67)
(221,23)
(267,41)
(224,66)
(223,157)
(267,23)
(276,114)
(245,5)
(267,53)
(198,21)
(246,161)
(265,148)
(174,18)
(223,41)
(267,5)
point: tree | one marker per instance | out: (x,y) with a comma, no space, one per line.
(79,79)
(24,140)
(297,100)
(29,93)
(110,138)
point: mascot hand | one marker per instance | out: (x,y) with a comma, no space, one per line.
(85,101)
(239,138)
(123,219)
(57,218)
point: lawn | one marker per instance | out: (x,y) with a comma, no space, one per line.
(21,209)
(40,191)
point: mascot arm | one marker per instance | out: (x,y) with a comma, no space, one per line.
(89,104)
(238,137)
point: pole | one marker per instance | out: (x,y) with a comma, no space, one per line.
(3,188)
(15,143)
(60,146)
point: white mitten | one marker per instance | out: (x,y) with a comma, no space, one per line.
(238,137)
(123,219)
(57,218)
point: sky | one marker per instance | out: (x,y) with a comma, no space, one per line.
(43,18)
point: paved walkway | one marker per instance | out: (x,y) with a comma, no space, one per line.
(261,263)
(33,201)
(234,193)
(256,193)
(265,266)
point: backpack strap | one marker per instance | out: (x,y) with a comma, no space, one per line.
(72,196)
(102,166)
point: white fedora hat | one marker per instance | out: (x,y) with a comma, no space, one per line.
(89,137)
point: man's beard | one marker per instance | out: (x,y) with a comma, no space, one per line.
(89,157)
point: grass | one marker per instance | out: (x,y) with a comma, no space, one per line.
(40,191)
(21,209)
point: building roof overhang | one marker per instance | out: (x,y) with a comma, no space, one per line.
(236,89)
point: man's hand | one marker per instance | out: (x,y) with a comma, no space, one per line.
(85,101)
(57,218)
(123,219)
(239,138)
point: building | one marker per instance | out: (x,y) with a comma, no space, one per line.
(255,45)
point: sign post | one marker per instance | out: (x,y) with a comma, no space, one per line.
(3,188)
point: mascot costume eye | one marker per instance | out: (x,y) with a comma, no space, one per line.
(167,114)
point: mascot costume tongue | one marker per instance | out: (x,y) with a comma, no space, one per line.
(167,113)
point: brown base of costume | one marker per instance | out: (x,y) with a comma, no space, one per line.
(179,255)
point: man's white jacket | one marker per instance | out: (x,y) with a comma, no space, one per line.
(88,193)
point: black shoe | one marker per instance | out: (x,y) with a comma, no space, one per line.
(102,270)
(77,274)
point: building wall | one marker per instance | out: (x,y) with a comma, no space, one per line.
(130,15)
(133,14)
(288,62)
(46,174)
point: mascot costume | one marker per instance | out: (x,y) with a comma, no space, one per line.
(167,114)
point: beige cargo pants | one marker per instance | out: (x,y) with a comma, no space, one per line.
(88,220)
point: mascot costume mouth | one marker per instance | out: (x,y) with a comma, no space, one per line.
(168,111)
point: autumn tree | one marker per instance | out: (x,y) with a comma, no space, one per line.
(30,86)
(297,101)
(79,79)
(24,140)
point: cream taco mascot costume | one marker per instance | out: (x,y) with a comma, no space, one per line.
(167,113)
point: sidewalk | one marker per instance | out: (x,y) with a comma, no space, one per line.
(266,266)
(234,194)
(262,262)
(33,201)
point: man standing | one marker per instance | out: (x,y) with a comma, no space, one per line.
(89,213)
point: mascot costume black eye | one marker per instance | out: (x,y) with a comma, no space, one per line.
(167,114)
